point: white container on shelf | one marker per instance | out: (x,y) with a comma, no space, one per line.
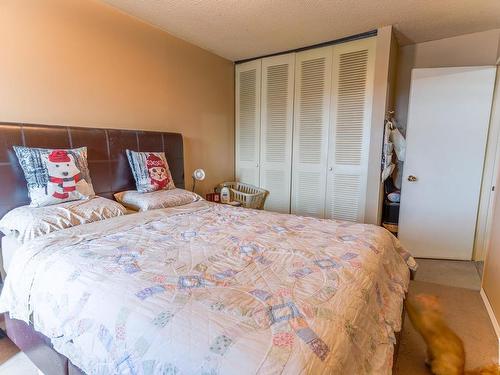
(225,195)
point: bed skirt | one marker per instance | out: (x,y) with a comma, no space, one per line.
(39,349)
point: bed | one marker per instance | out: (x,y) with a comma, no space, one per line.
(200,288)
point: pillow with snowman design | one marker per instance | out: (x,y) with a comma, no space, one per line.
(150,170)
(55,175)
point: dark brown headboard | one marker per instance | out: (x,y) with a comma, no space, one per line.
(108,163)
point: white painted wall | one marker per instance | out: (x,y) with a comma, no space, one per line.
(477,49)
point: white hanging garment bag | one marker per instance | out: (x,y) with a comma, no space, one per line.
(387,165)
(399,143)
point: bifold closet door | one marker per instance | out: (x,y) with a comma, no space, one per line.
(313,77)
(352,95)
(276,130)
(248,81)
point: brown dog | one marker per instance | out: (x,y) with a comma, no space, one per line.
(445,350)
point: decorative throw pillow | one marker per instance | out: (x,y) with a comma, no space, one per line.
(55,176)
(150,170)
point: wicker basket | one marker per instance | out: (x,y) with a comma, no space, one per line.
(248,195)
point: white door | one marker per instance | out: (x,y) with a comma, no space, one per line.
(349,141)
(448,120)
(313,73)
(276,130)
(248,80)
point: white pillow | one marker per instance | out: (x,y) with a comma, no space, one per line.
(156,199)
(26,223)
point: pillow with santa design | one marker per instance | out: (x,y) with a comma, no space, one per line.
(55,175)
(150,170)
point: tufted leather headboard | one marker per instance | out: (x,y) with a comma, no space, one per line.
(109,168)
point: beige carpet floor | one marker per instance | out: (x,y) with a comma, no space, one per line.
(457,286)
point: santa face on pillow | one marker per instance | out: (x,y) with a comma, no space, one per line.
(157,171)
(63,174)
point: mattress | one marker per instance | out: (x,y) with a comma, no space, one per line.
(207,288)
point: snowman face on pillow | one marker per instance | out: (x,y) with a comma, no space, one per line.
(62,168)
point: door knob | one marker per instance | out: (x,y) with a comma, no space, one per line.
(412,178)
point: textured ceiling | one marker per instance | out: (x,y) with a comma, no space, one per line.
(240,29)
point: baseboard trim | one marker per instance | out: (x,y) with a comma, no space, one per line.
(494,321)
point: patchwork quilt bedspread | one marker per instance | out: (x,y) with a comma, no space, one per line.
(212,289)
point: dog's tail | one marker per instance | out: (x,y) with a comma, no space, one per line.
(486,370)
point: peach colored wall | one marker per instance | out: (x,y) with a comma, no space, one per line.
(83,63)
(498,52)
(491,277)
(491,274)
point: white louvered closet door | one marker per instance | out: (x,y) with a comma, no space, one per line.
(276,130)
(248,81)
(352,94)
(313,71)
